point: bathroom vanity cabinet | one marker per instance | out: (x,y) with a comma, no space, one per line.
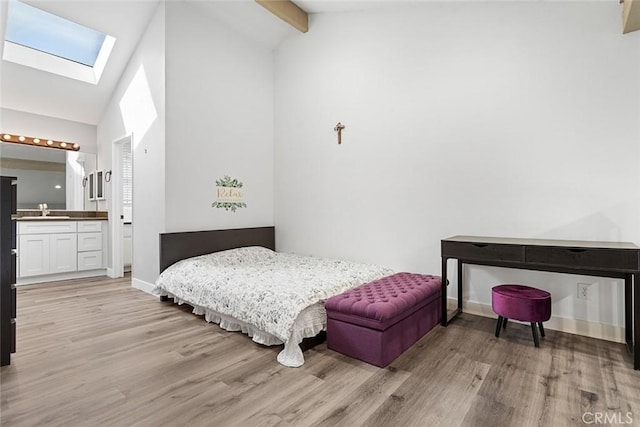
(57,250)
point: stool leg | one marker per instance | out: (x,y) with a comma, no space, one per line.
(504,323)
(498,325)
(541,328)
(534,330)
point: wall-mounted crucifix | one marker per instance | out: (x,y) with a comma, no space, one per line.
(338,129)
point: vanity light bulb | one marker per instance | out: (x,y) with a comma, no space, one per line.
(76,146)
(58,187)
(63,144)
(21,138)
(49,142)
(36,141)
(7,136)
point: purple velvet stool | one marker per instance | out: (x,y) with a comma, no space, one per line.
(377,321)
(522,303)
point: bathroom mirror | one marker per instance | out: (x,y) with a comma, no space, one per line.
(46,175)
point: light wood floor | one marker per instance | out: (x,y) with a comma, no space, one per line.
(100,353)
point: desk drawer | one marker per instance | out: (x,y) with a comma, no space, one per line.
(482,251)
(590,258)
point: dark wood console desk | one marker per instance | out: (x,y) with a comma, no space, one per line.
(617,260)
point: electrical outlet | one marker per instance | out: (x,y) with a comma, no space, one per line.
(584,291)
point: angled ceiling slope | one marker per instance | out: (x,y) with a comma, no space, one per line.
(28,89)
(31,90)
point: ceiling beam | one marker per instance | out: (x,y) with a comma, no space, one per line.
(630,16)
(289,12)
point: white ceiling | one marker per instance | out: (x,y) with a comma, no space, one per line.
(249,19)
(27,89)
(328,6)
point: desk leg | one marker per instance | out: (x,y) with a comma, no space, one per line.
(628,310)
(446,319)
(459,287)
(636,321)
(443,306)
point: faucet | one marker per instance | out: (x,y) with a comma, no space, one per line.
(44,209)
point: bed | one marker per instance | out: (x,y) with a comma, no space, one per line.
(237,280)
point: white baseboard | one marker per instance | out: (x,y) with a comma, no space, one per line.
(112,272)
(556,323)
(142,285)
(61,276)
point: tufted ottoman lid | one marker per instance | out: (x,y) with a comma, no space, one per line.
(384,302)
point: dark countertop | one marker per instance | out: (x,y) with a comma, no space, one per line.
(54,218)
(60,215)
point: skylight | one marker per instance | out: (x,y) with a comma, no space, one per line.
(42,40)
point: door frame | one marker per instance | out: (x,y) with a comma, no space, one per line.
(116,211)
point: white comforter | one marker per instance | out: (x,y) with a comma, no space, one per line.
(263,289)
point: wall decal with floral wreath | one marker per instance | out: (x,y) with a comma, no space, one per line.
(229,194)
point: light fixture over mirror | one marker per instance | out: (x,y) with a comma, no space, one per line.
(37,142)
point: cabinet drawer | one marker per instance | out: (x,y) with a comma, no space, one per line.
(14,234)
(482,251)
(12,269)
(89,226)
(89,242)
(13,302)
(594,259)
(89,260)
(46,227)
(13,336)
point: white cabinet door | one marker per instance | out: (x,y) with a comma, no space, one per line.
(34,254)
(63,251)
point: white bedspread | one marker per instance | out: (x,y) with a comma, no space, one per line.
(263,293)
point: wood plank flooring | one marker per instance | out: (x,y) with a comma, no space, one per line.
(100,353)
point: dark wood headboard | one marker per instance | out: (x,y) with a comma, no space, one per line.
(178,246)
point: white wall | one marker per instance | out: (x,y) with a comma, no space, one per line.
(219,122)
(36,125)
(499,119)
(138,107)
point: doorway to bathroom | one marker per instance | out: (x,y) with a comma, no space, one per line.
(121,207)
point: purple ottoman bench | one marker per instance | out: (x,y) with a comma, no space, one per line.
(378,321)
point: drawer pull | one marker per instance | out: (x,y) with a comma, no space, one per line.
(480,245)
(576,250)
